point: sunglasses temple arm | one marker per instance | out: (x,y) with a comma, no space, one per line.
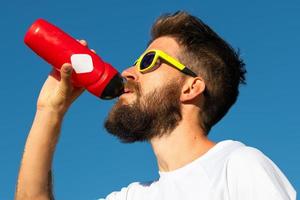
(189,72)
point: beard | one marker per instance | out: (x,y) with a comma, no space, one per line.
(152,115)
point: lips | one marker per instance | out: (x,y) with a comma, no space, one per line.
(127,90)
(131,87)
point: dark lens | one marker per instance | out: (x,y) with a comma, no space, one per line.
(147,60)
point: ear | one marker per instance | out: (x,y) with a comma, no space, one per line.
(192,88)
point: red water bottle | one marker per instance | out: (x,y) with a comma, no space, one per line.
(57,47)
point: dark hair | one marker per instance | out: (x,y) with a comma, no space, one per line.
(210,57)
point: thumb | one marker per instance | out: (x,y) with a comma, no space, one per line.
(65,74)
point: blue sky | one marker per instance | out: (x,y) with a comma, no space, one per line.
(89,163)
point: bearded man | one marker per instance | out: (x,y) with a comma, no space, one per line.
(177,90)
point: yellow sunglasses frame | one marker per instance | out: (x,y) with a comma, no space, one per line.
(160,54)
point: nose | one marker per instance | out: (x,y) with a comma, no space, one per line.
(130,73)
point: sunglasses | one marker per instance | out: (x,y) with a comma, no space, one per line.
(150,59)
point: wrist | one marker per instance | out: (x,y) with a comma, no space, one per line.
(46,126)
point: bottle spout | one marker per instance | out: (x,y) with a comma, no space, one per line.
(114,88)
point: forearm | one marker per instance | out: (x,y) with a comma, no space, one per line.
(34,181)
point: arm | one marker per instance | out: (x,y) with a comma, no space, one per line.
(57,94)
(34,181)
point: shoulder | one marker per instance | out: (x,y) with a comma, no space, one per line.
(248,156)
(249,163)
(251,172)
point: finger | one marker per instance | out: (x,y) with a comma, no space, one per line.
(83,42)
(65,74)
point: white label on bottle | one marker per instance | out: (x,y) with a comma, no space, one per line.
(82,63)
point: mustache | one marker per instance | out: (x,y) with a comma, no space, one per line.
(133,86)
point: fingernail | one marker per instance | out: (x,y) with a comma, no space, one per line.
(68,69)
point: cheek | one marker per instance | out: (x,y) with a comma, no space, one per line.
(150,85)
(151,82)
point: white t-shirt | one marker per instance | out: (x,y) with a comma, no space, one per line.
(228,171)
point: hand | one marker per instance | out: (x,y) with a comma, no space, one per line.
(58,93)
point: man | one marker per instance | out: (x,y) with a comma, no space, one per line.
(182,85)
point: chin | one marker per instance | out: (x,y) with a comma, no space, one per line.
(126,99)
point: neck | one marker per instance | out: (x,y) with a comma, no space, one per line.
(180,147)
